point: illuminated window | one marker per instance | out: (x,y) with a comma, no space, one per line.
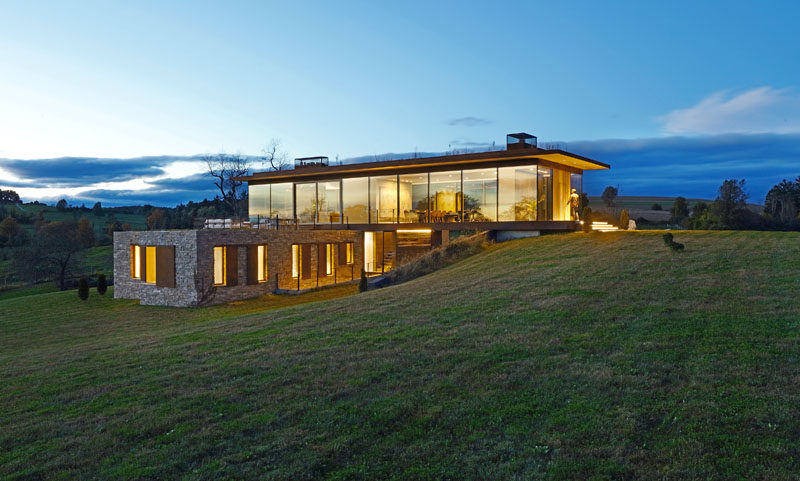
(219,265)
(262,263)
(295,260)
(349,256)
(136,262)
(150,264)
(328,259)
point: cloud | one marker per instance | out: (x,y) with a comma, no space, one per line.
(469,122)
(759,110)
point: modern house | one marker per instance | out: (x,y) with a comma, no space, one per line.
(321,224)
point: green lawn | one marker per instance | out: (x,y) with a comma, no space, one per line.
(600,356)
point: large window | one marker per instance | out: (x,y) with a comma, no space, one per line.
(383,199)
(150,264)
(326,259)
(306,198)
(281,200)
(378,251)
(355,200)
(545,194)
(258,201)
(517,193)
(445,189)
(480,195)
(328,202)
(220,256)
(261,263)
(295,260)
(413,197)
(136,262)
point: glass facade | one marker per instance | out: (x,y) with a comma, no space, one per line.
(383,199)
(518,193)
(480,195)
(355,200)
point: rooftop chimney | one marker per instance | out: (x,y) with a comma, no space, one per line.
(520,140)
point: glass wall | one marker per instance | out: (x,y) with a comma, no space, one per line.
(414,197)
(328,202)
(355,200)
(378,251)
(258,200)
(545,197)
(517,193)
(306,198)
(383,199)
(480,195)
(445,189)
(282,201)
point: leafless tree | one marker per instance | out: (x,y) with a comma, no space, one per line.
(273,156)
(225,169)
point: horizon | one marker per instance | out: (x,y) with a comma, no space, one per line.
(136,84)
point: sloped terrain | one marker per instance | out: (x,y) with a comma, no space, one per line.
(603,356)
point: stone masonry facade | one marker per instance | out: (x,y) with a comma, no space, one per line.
(194,263)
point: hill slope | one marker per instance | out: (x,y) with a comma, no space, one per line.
(574,356)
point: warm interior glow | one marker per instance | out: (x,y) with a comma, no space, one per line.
(262,263)
(136,262)
(369,251)
(295,260)
(328,259)
(349,252)
(150,268)
(219,265)
(414,231)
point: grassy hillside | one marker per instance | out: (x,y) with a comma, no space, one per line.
(601,356)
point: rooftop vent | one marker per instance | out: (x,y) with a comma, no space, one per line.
(520,141)
(302,162)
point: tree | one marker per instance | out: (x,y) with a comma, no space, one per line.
(273,156)
(55,249)
(728,210)
(97,209)
(9,197)
(83,288)
(102,284)
(624,219)
(783,202)
(158,219)
(609,195)
(363,285)
(587,219)
(679,210)
(656,206)
(61,205)
(9,229)
(226,169)
(85,232)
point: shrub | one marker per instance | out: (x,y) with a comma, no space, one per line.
(656,206)
(587,219)
(102,285)
(83,289)
(362,284)
(667,239)
(676,246)
(623,219)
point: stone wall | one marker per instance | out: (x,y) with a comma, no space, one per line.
(194,263)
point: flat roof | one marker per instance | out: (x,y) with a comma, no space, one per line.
(552,155)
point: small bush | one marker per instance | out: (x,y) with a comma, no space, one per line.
(656,206)
(102,284)
(676,246)
(83,289)
(587,219)
(624,218)
(362,284)
(667,239)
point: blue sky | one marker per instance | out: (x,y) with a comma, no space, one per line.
(634,84)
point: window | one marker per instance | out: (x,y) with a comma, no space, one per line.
(328,196)
(306,199)
(349,255)
(355,200)
(445,190)
(261,255)
(281,201)
(258,201)
(295,260)
(480,195)
(150,265)
(383,199)
(219,265)
(328,259)
(414,197)
(517,193)
(136,262)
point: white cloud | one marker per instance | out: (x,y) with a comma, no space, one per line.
(759,110)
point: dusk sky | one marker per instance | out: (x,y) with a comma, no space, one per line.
(676,96)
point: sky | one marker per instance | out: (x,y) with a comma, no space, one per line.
(676,96)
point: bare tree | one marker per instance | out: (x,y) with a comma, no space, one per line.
(226,169)
(273,156)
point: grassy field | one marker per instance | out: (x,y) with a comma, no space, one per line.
(599,356)
(51,214)
(91,261)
